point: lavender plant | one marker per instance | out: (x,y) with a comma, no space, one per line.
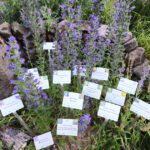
(32,18)
(24,84)
(118,28)
(70,38)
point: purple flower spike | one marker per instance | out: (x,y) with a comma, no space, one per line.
(85,120)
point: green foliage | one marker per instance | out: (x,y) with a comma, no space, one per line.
(108,136)
(10,10)
(140,24)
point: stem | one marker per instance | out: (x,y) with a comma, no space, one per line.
(62,88)
(133,123)
(50,62)
(103,125)
(78,75)
(23,123)
(98,134)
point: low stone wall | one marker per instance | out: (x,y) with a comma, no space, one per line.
(134,55)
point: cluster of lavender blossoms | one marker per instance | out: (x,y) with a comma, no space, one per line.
(97,7)
(84,122)
(24,84)
(69,40)
(117,31)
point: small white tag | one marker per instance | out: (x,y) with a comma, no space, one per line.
(92,90)
(62,77)
(33,71)
(43,141)
(115,96)
(141,108)
(73,100)
(67,127)
(79,70)
(109,111)
(11,104)
(127,86)
(43,82)
(100,73)
(49,46)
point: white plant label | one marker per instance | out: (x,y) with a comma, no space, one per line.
(100,73)
(11,104)
(33,71)
(127,86)
(79,70)
(115,96)
(62,77)
(73,100)
(109,111)
(67,127)
(43,82)
(141,108)
(43,141)
(92,90)
(49,46)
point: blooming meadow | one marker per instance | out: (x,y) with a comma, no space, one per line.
(72,88)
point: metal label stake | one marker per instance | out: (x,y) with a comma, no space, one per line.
(132,123)
(50,46)
(23,124)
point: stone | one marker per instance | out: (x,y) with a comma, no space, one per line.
(127,37)
(139,70)
(5,87)
(13,137)
(62,26)
(85,27)
(25,40)
(5,30)
(130,45)
(19,31)
(83,141)
(136,56)
(102,31)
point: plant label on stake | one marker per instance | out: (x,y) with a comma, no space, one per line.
(141,108)
(127,86)
(67,127)
(92,90)
(100,73)
(33,71)
(109,111)
(62,77)
(11,105)
(115,96)
(43,82)
(49,46)
(43,141)
(73,100)
(79,70)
